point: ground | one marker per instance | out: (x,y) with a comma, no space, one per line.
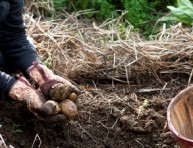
(109,117)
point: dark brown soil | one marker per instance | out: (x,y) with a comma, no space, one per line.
(109,117)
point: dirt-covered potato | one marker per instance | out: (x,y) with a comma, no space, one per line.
(59,92)
(53,105)
(68,108)
(73,97)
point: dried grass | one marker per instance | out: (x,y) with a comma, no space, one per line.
(40,7)
(85,50)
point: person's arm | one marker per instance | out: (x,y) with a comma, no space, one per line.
(4,9)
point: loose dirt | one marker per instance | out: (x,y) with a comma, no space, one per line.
(110,116)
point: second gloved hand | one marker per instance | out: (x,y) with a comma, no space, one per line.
(23,91)
(51,85)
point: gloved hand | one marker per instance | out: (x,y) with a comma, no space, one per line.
(45,110)
(52,86)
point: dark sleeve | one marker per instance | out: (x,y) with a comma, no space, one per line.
(4,9)
(6,82)
(13,38)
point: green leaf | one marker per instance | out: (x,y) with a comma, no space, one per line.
(178,13)
(145,103)
(183,13)
(18,131)
(187,11)
(184,3)
(169,18)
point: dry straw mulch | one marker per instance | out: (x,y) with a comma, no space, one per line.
(81,49)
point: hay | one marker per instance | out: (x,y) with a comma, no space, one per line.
(40,7)
(82,50)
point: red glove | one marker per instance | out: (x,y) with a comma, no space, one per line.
(48,111)
(51,85)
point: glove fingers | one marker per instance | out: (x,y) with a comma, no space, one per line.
(43,115)
(44,111)
(75,90)
(71,86)
(48,108)
(56,118)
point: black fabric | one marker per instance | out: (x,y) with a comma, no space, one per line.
(14,45)
(13,21)
(13,39)
(21,54)
(9,66)
(6,82)
(12,27)
(6,65)
(4,10)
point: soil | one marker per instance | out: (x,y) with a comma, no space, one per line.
(110,116)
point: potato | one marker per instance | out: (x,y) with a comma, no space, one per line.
(68,108)
(73,97)
(52,106)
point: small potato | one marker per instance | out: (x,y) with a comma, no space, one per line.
(53,106)
(73,97)
(68,108)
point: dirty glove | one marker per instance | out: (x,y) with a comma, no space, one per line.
(22,91)
(52,86)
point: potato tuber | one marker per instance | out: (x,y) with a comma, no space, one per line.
(73,97)
(68,108)
(52,107)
